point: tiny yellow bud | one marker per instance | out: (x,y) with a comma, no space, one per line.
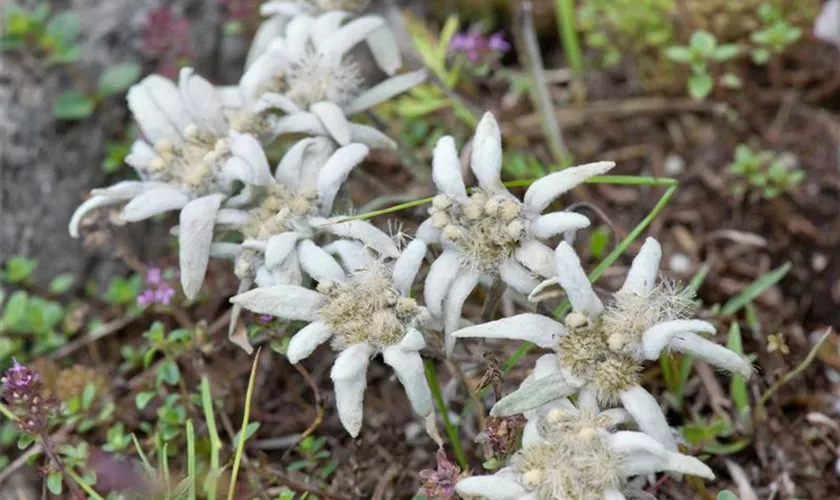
(515,228)
(308,193)
(509,211)
(491,206)
(616,341)
(556,415)
(191,131)
(588,433)
(164,146)
(473,211)
(222,147)
(440,219)
(532,477)
(452,232)
(157,164)
(576,320)
(441,202)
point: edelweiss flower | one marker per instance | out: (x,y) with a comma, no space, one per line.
(365,313)
(600,350)
(574,453)
(307,75)
(490,231)
(383,46)
(191,165)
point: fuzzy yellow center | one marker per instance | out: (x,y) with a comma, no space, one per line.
(277,212)
(368,309)
(314,79)
(194,165)
(573,462)
(487,229)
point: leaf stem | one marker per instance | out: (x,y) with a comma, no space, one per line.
(451,429)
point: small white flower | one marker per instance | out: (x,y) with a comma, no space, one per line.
(591,358)
(191,164)
(280,13)
(490,231)
(827,22)
(307,75)
(365,312)
(575,453)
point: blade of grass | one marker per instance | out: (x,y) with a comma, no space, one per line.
(164,465)
(143,458)
(240,448)
(8,413)
(83,484)
(451,430)
(191,459)
(215,442)
(566,25)
(755,289)
(738,386)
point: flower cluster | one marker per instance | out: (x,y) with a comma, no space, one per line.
(157,291)
(166,36)
(477,46)
(24,393)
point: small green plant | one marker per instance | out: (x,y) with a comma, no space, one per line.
(76,104)
(701,51)
(776,34)
(763,172)
(314,458)
(53,38)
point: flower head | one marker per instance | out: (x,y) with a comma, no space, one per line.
(158,290)
(576,453)
(489,231)
(365,309)
(440,483)
(477,46)
(166,36)
(25,395)
(600,350)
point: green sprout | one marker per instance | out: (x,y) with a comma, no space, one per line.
(701,50)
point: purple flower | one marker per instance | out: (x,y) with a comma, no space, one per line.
(498,43)
(23,392)
(477,46)
(158,290)
(440,483)
(154,276)
(265,318)
(166,37)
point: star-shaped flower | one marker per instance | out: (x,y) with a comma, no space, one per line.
(600,350)
(365,312)
(308,75)
(575,453)
(489,231)
(193,164)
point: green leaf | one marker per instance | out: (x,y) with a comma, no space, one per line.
(738,386)
(450,28)
(142,399)
(117,78)
(700,86)
(725,52)
(65,26)
(10,42)
(755,289)
(61,283)
(703,42)
(88,395)
(168,373)
(679,54)
(73,105)
(14,310)
(598,242)
(249,431)
(25,441)
(727,495)
(760,56)
(19,269)
(54,483)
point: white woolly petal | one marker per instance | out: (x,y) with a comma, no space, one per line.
(490,487)
(348,36)
(248,195)
(305,341)
(537,257)
(298,33)
(641,278)
(230,96)
(545,190)
(335,172)
(641,454)
(288,170)
(260,71)
(232,217)
(302,163)
(531,433)
(660,336)
(533,395)
(614,495)
(409,369)
(284,301)
(237,336)
(360,230)
(446,169)
(249,149)
(125,190)
(541,330)
(334,120)
(587,399)
(85,208)
(441,275)
(270,29)
(549,225)
(273,100)
(573,279)
(158,108)
(617,416)
(196,223)
(317,263)
(714,354)
(385,50)
(279,247)
(827,22)
(349,380)
(427,232)
(486,159)
(201,100)
(412,341)
(516,276)
(141,155)
(223,250)
(326,24)
(354,256)
(371,136)
(648,416)
(407,266)
(384,91)
(154,202)
(238,169)
(530,496)
(546,365)
(303,122)
(461,288)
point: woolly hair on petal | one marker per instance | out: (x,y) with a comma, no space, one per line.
(446,168)
(492,487)
(154,202)
(284,301)
(288,171)
(305,341)
(87,207)
(648,415)
(408,265)
(545,190)
(201,101)
(714,354)
(353,254)
(550,225)
(533,395)
(461,288)
(298,35)
(385,50)
(279,247)
(317,263)
(385,90)
(263,69)
(408,365)
(641,278)
(360,230)
(486,158)
(644,455)
(157,106)
(516,276)
(348,36)
(439,279)
(247,148)
(326,24)
(349,381)
(659,337)
(269,30)
(196,222)
(573,279)
(141,155)
(334,121)
(536,328)
(335,172)
(537,257)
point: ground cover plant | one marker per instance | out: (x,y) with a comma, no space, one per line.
(402,257)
